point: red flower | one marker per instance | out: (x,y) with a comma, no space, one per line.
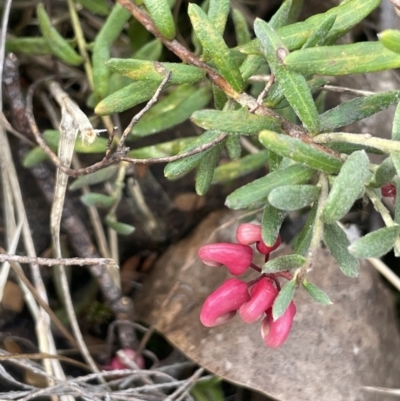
(274,333)
(236,257)
(221,305)
(265,249)
(263,295)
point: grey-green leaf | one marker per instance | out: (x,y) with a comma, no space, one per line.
(293,197)
(304,238)
(348,186)
(383,174)
(98,200)
(271,223)
(294,85)
(375,244)
(357,109)
(259,189)
(283,263)
(238,168)
(300,151)
(337,243)
(316,293)
(94,178)
(120,228)
(236,122)
(283,299)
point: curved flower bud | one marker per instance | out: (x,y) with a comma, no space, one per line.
(248,233)
(236,257)
(221,305)
(263,295)
(274,333)
(265,249)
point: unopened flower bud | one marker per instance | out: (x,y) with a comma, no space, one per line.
(274,333)
(265,249)
(117,362)
(388,190)
(221,305)
(263,295)
(248,233)
(236,257)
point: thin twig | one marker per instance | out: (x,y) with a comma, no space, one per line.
(4,257)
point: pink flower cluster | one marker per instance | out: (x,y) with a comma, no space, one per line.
(252,300)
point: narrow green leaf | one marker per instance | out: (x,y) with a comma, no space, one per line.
(349,148)
(238,122)
(318,37)
(293,197)
(356,58)
(251,65)
(390,38)
(36,46)
(396,124)
(150,51)
(172,110)
(214,45)
(120,228)
(97,200)
(348,186)
(259,190)
(218,11)
(293,85)
(304,238)
(161,15)
(109,32)
(52,138)
(242,31)
(283,263)
(299,151)
(375,244)
(154,71)
(126,98)
(336,241)
(219,96)
(58,45)
(34,157)
(178,168)
(205,170)
(233,146)
(396,182)
(94,178)
(238,168)
(163,149)
(271,223)
(280,18)
(283,299)
(357,109)
(99,7)
(276,98)
(294,36)
(383,174)
(316,293)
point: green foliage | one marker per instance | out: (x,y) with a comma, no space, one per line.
(310,166)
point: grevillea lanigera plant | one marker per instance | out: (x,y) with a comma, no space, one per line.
(262,96)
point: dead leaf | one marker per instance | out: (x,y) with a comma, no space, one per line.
(331,352)
(13,298)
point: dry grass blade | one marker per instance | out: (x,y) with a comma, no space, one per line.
(72,121)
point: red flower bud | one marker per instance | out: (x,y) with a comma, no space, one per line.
(265,249)
(263,295)
(248,233)
(274,333)
(221,305)
(389,190)
(236,257)
(118,363)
